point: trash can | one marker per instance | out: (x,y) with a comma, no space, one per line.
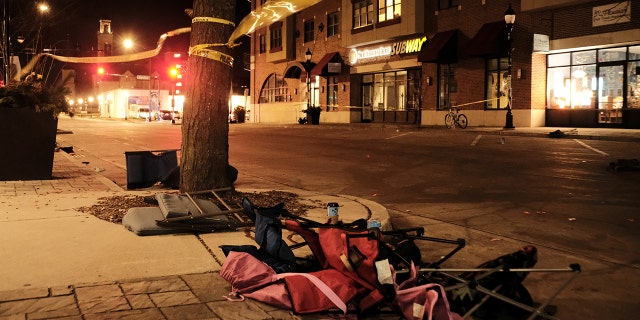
(146,168)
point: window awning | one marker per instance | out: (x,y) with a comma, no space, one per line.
(331,63)
(442,48)
(490,41)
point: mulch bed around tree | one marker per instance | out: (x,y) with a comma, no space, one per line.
(113,208)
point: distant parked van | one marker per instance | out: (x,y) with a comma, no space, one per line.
(143,113)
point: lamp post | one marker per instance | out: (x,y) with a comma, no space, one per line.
(307,57)
(509,19)
(43,8)
(5,43)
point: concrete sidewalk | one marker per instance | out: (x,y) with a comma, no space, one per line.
(59,263)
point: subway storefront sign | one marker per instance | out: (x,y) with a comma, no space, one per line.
(385,51)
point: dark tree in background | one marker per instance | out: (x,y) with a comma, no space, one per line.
(205,127)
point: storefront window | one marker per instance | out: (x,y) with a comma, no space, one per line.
(274,89)
(414,84)
(557,60)
(614,54)
(572,87)
(583,87)
(634,53)
(446,85)
(378,92)
(332,91)
(396,91)
(583,57)
(633,80)
(497,86)
(391,100)
(572,83)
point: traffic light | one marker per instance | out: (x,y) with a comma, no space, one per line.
(174,72)
(100,73)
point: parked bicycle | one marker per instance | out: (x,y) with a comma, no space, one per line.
(455,118)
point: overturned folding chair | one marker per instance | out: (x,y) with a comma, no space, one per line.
(192,212)
(471,290)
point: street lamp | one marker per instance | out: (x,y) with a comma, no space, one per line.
(5,42)
(307,66)
(509,19)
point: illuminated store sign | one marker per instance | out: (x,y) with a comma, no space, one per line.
(613,13)
(387,50)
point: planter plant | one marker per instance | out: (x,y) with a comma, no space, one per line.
(29,111)
(240,113)
(313,114)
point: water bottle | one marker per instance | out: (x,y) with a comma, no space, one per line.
(374,223)
(332,212)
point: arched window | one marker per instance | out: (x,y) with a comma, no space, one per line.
(274,89)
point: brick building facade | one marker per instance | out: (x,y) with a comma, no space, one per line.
(409,61)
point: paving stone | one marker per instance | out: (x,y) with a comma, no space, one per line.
(137,314)
(23,294)
(93,284)
(154,286)
(208,287)
(98,292)
(41,308)
(247,310)
(285,315)
(104,304)
(61,291)
(175,298)
(188,312)
(203,280)
(140,301)
(76,317)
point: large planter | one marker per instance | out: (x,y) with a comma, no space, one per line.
(28,144)
(314,117)
(240,115)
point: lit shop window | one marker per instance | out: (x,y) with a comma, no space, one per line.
(362,13)
(388,10)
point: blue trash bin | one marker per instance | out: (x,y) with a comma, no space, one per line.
(146,168)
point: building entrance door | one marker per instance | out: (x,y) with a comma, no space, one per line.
(611,93)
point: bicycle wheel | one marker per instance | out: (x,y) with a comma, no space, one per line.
(462,121)
(448,120)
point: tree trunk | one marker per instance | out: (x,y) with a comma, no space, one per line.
(205,127)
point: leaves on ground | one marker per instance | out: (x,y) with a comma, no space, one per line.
(113,208)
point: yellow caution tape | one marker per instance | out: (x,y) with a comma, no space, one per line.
(214,20)
(270,12)
(203,50)
(108,59)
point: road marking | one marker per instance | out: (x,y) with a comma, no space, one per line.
(590,147)
(475,141)
(398,136)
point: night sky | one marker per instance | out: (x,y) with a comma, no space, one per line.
(78,20)
(71,28)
